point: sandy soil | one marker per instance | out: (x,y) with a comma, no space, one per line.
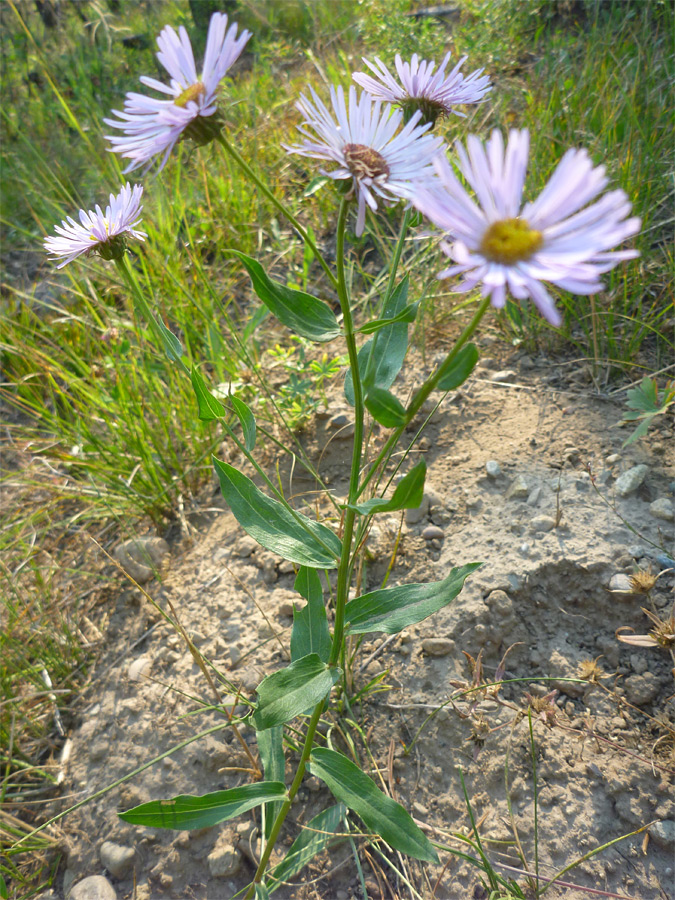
(605,754)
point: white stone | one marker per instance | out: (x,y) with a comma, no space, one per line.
(438,646)
(118,860)
(493,469)
(631,480)
(413,516)
(621,584)
(542,523)
(662,509)
(139,668)
(95,887)
(663,833)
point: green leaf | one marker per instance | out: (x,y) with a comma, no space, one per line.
(393,609)
(172,346)
(408,494)
(246,420)
(261,892)
(315,185)
(210,407)
(313,839)
(407,314)
(380,813)
(310,632)
(385,408)
(271,747)
(187,811)
(389,347)
(306,315)
(273,526)
(292,691)
(462,366)
(644,397)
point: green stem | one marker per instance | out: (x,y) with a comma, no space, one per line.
(344,565)
(241,162)
(422,394)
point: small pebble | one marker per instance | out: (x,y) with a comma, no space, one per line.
(662,509)
(139,668)
(433,531)
(504,375)
(118,860)
(224,860)
(413,516)
(141,557)
(542,523)
(620,584)
(438,646)
(493,468)
(663,834)
(518,489)
(95,887)
(631,480)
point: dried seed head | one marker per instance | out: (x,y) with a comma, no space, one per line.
(590,670)
(643,581)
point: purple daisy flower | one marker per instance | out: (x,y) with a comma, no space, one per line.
(153,126)
(419,88)
(501,244)
(102,232)
(363,140)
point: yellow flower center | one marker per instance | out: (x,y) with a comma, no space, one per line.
(509,241)
(190,94)
(364,162)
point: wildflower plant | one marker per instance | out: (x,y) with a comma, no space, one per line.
(378,155)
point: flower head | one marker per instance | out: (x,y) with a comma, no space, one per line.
(419,88)
(362,139)
(102,232)
(501,244)
(152,126)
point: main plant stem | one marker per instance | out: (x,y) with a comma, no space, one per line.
(344,565)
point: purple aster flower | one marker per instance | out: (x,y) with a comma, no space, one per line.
(153,126)
(419,88)
(102,232)
(363,140)
(501,244)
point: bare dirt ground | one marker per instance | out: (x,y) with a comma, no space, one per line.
(539,518)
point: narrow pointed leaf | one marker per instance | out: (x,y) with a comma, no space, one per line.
(312,840)
(310,632)
(393,609)
(271,747)
(292,691)
(389,347)
(385,408)
(380,813)
(273,526)
(172,346)
(246,420)
(210,407)
(261,892)
(306,315)
(187,811)
(407,314)
(462,366)
(408,494)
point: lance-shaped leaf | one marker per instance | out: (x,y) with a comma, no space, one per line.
(310,632)
(380,813)
(385,408)
(305,542)
(293,691)
(407,314)
(187,811)
(306,315)
(261,892)
(388,347)
(271,747)
(393,609)
(210,407)
(408,494)
(172,346)
(462,366)
(247,421)
(313,839)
